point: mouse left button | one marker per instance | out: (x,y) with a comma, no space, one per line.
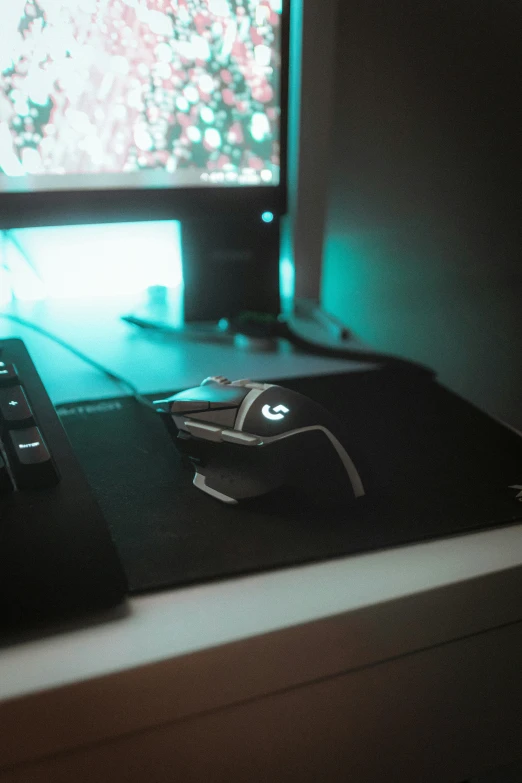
(183,406)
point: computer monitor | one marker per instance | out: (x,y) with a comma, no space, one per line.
(125,110)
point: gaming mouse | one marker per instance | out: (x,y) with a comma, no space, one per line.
(246,439)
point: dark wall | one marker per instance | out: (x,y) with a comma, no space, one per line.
(423,249)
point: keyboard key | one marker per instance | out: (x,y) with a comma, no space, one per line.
(57,558)
(5,479)
(14,408)
(30,460)
(8,375)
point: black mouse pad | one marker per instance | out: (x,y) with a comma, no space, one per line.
(434,466)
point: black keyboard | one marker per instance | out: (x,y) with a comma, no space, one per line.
(57,558)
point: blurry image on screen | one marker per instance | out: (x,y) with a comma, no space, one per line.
(139,93)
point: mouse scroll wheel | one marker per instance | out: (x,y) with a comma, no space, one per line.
(219,379)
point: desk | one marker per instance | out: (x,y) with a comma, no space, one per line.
(399,665)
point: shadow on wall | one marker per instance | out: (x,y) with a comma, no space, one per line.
(423,254)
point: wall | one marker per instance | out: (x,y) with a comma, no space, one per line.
(423,252)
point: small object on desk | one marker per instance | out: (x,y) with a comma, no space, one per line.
(272,437)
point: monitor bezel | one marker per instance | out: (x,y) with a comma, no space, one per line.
(80,207)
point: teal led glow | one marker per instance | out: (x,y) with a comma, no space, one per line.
(267,217)
(287,283)
(93,261)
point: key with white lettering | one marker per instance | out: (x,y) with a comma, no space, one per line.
(15,412)
(30,459)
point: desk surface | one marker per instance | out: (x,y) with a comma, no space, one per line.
(152,362)
(434,591)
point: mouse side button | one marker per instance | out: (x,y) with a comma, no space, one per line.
(240,438)
(204,431)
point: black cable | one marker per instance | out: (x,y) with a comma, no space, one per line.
(283,330)
(266,325)
(92,362)
(373,357)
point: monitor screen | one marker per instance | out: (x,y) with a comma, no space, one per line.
(126,94)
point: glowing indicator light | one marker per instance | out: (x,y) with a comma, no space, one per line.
(267,217)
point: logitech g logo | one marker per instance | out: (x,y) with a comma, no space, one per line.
(519,496)
(275,414)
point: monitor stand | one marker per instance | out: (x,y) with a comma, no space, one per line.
(230,266)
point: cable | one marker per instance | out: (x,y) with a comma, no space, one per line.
(283,330)
(92,362)
(260,324)
(373,357)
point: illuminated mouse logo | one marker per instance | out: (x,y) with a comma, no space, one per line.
(275,414)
